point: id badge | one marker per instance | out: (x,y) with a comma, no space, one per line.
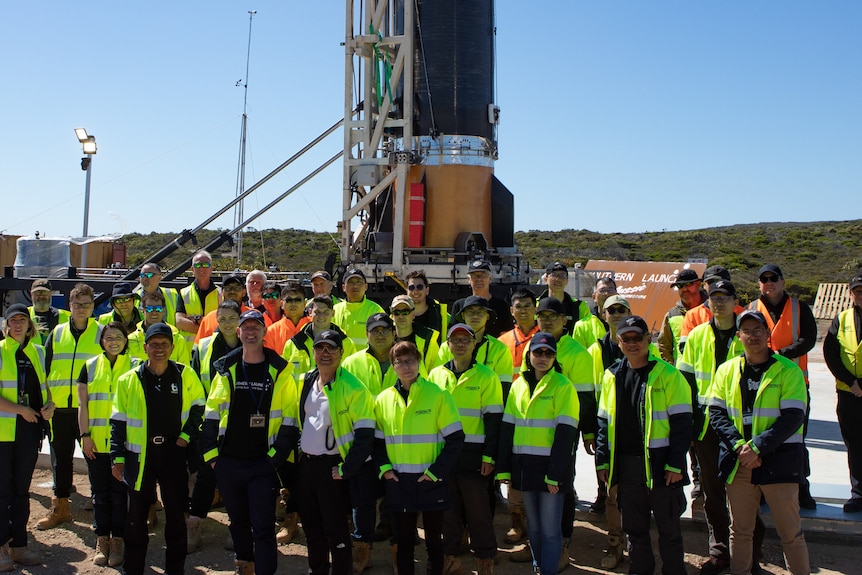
(257,421)
(747,418)
(24,399)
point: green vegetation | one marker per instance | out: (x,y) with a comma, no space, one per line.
(808,253)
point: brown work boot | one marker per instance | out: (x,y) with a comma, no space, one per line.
(23,556)
(361,556)
(289,528)
(518,531)
(485,566)
(118,552)
(103,549)
(613,557)
(452,565)
(153,516)
(244,567)
(524,555)
(564,556)
(194,528)
(59,513)
(281,505)
(6,563)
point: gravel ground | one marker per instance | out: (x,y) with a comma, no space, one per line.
(69,548)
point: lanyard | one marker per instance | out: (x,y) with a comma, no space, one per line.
(257,400)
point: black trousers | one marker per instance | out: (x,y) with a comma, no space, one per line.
(64,436)
(17,462)
(324,505)
(405,533)
(849,412)
(201,499)
(248,488)
(165,464)
(666,504)
(110,497)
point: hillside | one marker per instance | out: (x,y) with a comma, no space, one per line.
(808,253)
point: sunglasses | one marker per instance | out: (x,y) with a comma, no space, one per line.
(616,309)
(148,275)
(293,300)
(122,299)
(401,312)
(154,308)
(273,295)
(543,352)
(769,279)
(415,287)
(199,265)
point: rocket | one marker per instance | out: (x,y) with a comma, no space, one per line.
(429,78)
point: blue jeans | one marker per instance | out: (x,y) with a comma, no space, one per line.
(544,515)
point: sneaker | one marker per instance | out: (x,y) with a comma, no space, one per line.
(714,566)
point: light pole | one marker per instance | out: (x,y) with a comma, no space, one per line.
(88,143)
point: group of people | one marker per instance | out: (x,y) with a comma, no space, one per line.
(358,419)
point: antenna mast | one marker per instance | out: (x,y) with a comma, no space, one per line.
(238,217)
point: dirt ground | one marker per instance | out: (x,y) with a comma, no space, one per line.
(69,548)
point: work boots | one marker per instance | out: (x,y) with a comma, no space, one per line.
(452,565)
(564,556)
(194,527)
(518,532)
(23,556)
(288,529)
(361,556)
(6,563)
(59,513)
(485,566)
(103,549)
(524,555)
(244,567)
(614,554)
(118,552)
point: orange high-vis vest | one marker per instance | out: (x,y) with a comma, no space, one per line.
(785,331)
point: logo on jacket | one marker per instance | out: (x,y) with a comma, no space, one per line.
(422,412)
(174,389)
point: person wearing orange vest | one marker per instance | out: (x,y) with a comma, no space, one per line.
(793,333)
(691,294)
(292,314)
(843,356)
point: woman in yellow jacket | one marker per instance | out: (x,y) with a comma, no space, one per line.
(537,441)
(97,385)
(417,443)
(25,407)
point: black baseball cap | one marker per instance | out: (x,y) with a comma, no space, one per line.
(329,337)
(770,268)
(479,301)
(232,279)
(16,309)
(253,315)
(715,273)
(378,320)
(722,286)
(354,273)
(751,314)
(162,329)
(478,265)
(551,304)
(856,280)
(556,267)
(633,324)
(543,340)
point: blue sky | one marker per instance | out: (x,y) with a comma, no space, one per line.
(617,116)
